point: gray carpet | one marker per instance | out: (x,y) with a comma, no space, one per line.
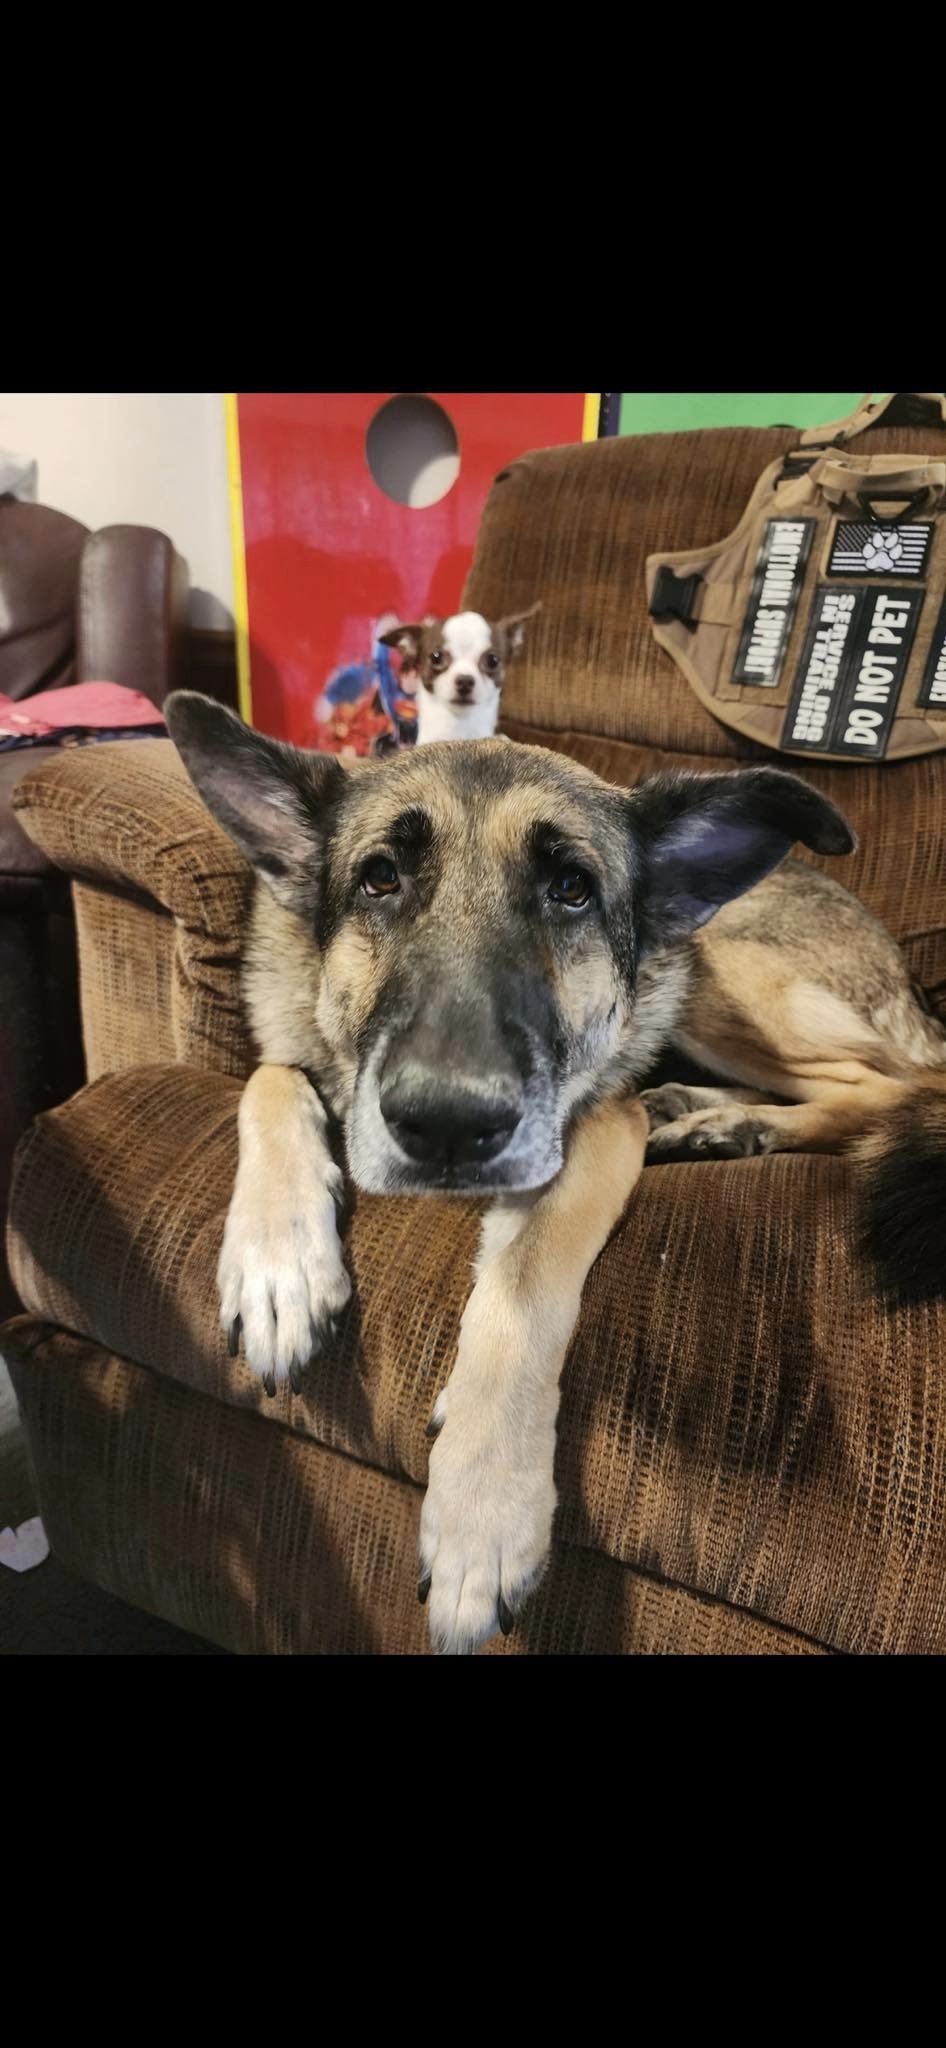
(48,1612)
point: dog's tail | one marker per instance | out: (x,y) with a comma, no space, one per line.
(901,1160)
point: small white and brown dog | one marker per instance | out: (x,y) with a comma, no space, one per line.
(461,663)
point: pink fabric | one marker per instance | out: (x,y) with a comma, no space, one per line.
(84,704)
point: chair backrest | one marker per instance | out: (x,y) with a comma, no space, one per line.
(40,553)
(574,526)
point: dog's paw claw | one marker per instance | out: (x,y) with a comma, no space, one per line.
(484,1528)
(269,1384)
(438,1415)
(423,1589)
(233,1337)
(295,1378)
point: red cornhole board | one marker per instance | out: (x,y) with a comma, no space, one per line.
(322,553)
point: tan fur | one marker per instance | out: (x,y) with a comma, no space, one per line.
(487,1516)
(791,993)
(282,973)
(511,816)
(820,1011)
(874,1143)
(280,1272)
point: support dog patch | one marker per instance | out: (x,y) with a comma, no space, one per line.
(933,686)
(779,575)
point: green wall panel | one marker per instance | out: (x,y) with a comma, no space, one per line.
(667,412)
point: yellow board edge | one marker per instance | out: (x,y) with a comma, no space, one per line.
(241,611)
(592,418)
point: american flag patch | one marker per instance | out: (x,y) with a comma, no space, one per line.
(874,550)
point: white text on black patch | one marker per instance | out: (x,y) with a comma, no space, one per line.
(877,671)
(933,686)
(870,549)
(777,580)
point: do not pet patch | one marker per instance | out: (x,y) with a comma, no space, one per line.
(855,657)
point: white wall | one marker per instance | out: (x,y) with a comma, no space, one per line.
(140,458)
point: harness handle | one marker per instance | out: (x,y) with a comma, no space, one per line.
(897,492)
(899,409)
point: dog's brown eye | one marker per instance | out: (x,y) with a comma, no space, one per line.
(572,887)
(437,658)
(380,878)
(491,663)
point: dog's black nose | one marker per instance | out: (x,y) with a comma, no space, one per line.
(464,685)
(441,1129)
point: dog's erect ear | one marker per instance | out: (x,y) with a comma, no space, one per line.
(704,839)
(514,627)
(274,801)
(406,639)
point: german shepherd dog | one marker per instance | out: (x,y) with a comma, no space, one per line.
(467,958)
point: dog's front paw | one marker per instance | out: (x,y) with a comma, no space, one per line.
(732,1133)
(281,1277)
(485,1531)
(666,1105)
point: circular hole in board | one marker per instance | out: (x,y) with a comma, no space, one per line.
(412,450)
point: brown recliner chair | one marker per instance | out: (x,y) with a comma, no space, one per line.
(752,1451)
(75,606)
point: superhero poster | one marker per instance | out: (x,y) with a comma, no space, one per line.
(328,556)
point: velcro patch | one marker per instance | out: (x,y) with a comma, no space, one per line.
(933,686)
(773,600)
(853,662)
(869,549)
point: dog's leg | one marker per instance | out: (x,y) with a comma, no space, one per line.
(676,1099)
(833,1112)
(280,1272)
(487,1519)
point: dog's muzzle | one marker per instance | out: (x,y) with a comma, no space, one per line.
(440,1124)
(457,1099)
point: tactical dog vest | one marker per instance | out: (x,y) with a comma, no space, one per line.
(819,625)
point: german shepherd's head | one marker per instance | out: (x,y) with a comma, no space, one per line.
(487,915)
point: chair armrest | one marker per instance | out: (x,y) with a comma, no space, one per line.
(161,899)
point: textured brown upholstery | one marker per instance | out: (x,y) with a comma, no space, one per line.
(74,607)
(160,899)
(752,1453)
(266,1543)
(574,527)
(735,1454)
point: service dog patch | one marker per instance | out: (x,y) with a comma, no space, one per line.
(872,550)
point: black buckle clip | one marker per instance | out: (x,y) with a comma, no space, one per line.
(868,499)
(673,597)
(795,465)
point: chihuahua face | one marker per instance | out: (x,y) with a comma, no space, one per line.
(460,663)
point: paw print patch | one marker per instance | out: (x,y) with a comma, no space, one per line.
(866,550)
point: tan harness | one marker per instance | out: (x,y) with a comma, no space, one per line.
(819,625)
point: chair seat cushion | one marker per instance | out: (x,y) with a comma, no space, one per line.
(739,1417)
